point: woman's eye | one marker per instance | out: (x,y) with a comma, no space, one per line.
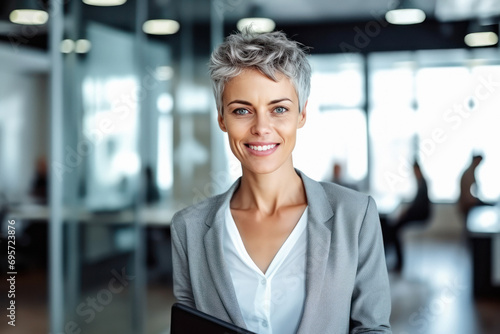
(280,110)
(241,111)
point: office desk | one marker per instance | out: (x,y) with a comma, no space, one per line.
(147,215)
(484,220)
(95,243)
(483,230)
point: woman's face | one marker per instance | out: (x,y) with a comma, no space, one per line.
(261,118)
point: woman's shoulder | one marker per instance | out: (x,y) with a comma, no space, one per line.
(334,195)
(338,190)
(205,209)
(347,197)
(198,211)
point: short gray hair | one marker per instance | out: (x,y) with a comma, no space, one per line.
(269,53)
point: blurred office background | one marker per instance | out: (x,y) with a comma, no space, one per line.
(108,127)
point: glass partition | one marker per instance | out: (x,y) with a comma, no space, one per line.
(103,98)
(133,104)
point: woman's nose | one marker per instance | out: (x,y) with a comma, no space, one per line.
(261,124)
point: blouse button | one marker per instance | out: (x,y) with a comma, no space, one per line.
(264,323)
(263,281)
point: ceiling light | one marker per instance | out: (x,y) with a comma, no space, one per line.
(160,27)
(477,39)
(29,16)
(82,46)
(405,16)
(104,3)
(256,24)
(67,46)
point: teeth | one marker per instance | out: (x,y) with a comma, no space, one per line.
(262,148)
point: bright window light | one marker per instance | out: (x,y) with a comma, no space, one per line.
(477,39)
(126,162)
(29,16)
(104,3)
(405,16)
(345,132)
(443,126)
(392,129)
(348,85)
(165,153)
(256,24)
(165,103)
(160,27)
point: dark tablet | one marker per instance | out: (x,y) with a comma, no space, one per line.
(187,320)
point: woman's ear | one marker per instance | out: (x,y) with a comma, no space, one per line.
(302,117)
(222,124)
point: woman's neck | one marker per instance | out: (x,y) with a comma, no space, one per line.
(268,193)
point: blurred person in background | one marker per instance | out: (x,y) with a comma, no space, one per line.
(152,194)
(278,252)
(338,177)
(468,187)
(39,186)
(418,211)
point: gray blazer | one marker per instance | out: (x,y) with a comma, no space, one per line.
(347,288)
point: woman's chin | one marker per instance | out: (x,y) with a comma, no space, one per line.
(262,168)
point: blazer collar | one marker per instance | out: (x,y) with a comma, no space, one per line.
(320,209)
(319,227)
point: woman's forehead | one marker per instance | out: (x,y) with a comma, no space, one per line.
(252,83)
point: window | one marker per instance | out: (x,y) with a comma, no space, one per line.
(335,131)
(392,125)
(441,107)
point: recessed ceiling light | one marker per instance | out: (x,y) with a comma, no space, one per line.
(29,16)
(160,27)
(67,46)
(104,3)
(82,46)
(405,16)
(256,24)
(485,38)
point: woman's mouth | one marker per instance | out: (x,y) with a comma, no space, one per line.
(261,149)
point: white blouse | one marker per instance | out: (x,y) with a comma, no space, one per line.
(271,303)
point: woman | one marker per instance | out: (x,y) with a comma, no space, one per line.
(278,252)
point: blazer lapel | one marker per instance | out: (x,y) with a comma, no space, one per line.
(216,263)
(319,230)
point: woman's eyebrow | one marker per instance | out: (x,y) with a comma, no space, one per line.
(280,100)
(249,104)
(240,102)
